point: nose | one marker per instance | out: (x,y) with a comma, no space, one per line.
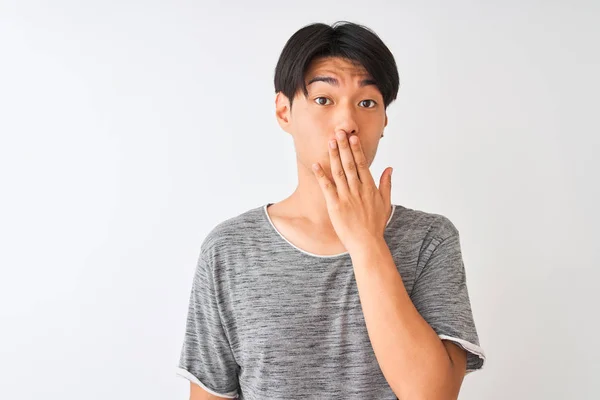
(345,120)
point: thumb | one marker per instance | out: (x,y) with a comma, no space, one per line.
(385,186)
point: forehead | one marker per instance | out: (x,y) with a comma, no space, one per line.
(335,66)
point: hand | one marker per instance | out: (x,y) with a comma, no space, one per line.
(358,209)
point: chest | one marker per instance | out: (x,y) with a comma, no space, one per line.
(287,302)
(300,329)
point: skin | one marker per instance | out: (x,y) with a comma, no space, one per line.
(337,207)
(415,362)
(312,121)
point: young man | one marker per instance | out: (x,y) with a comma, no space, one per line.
(334,292)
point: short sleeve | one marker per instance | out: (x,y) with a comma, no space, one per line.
(206,358)
(441,296)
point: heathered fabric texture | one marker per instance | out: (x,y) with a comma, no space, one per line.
(268,320)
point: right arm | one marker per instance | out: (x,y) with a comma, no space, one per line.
(207,359)
(197,393)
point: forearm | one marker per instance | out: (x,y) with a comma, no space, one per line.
(411,356)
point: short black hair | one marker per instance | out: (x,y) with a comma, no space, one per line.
(351,41)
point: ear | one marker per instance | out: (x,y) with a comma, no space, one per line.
(386,121)
(282,111)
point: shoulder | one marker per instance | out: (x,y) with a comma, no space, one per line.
(419,224)
(231,233)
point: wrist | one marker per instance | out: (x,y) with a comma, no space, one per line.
(368,246)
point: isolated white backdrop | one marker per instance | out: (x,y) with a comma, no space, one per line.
(130,129)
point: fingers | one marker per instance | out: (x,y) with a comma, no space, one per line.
(343,165)
(337,169)
(362,164)
(328,188)
(349,168)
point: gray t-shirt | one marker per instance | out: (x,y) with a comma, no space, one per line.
(268,320)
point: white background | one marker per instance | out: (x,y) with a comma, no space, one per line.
(130,129)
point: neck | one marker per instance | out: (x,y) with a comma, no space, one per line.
(308,201)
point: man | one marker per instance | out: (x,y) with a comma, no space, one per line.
(334,292)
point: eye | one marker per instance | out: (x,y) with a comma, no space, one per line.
(319,102)
(372,101)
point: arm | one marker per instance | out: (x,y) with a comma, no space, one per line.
(206,359)
(413,359)
(197,393)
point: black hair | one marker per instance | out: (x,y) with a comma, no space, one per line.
(353,42)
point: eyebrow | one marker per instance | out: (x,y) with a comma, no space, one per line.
(333,81)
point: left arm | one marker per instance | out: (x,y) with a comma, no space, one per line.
(413,359)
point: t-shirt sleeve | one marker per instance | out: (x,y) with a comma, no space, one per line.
(441,296)
(206,358)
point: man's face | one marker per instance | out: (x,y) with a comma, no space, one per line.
(338,99)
